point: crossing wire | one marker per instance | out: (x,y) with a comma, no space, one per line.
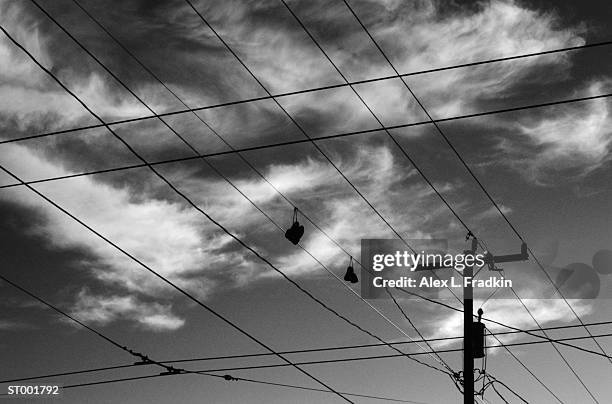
(238,379)
(297,125)
(333,311)
(389,134)
(150,72)
(298,141)
(452,374)
(316,146)
(473,175)
(516,358)
(386,356)
(333,86)
(488,195)
(142,264)
(245,196)
(144,359)
(301,351)
(216,133)
(312,362)
(169,370)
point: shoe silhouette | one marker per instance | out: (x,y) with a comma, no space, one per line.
(350,275)
(296,231)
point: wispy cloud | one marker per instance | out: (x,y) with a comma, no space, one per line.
(149,222)
(571,138)
(101,309)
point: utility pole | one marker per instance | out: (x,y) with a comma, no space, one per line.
(471,330)
(469,327)
(468,331)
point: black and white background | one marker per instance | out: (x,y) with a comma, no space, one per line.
(548,169)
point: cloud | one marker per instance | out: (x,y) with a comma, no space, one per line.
(173,240)
(98,309)
(10,325)
(149,222)
(416,37)
(31,100)
(512,313)
(569,138)
(492,213)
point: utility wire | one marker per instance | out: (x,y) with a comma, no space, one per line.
(297,125)
(396,355)
(143,359)
(292,142)
(303,351)
(498,393)
(209,309)
(169,370)
(483,188)
(393,139)
(548,339)
(192,148)
(322,361)
(571,368)
(495,380)
(237,189)
(516,358)
(333,86)
(216,133)
(179,193)
(316,146)
(71,318)
(382,125)
(238,379)
(182,291)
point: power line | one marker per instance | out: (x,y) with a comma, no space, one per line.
(303,351)
(298,141)
(236,188)
(297,125)
(227,377)
(405,154)
(169,369)
(495,380)
(316,146)
(326,361)
(216,133)
(482,187)
(182,291)
(378,312)
(187,294)
(548,339)
(382,126)
(396,355)
(239,379)
(143,359)
(397,144)
(333,86)
(70,317)
(400,148)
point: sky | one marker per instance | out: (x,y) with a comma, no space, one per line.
(547,168)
